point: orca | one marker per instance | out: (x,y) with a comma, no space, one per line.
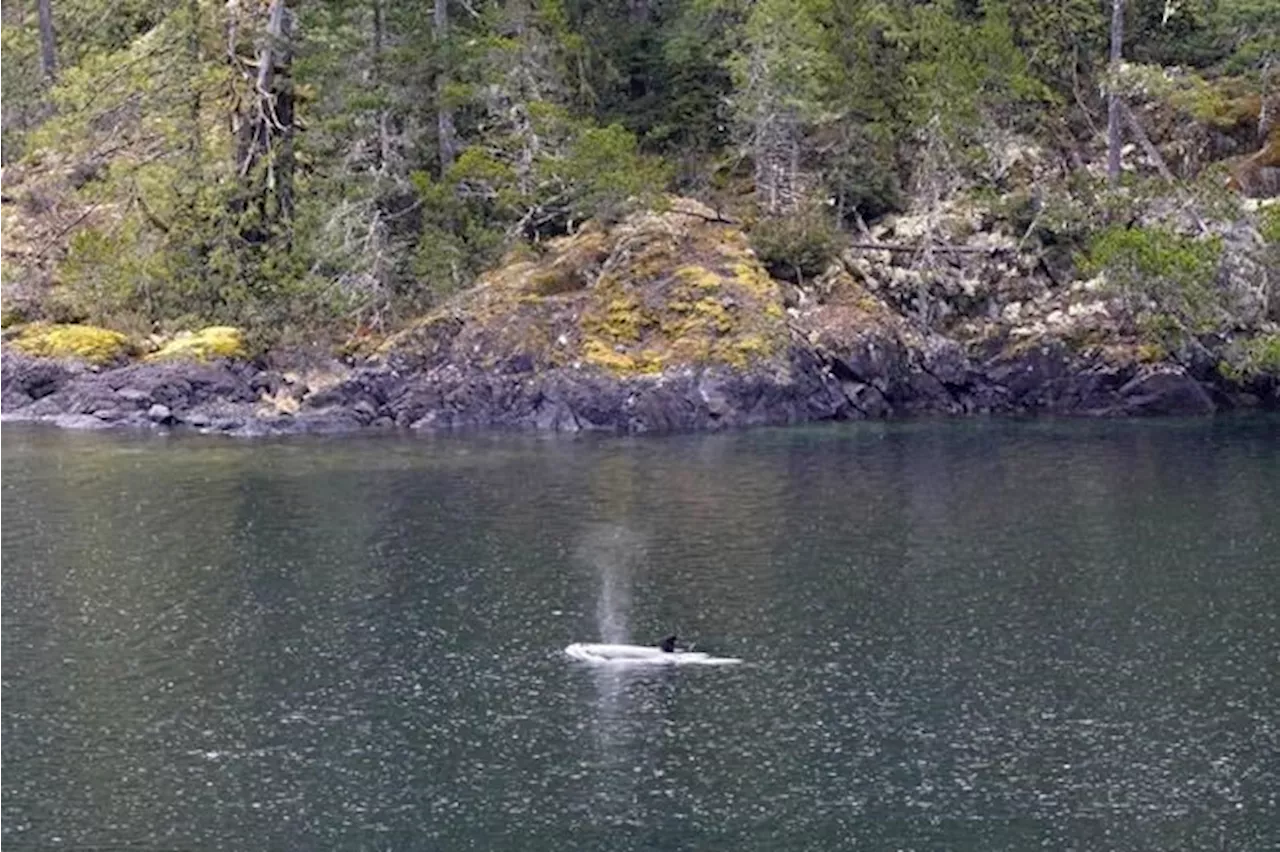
(665,653)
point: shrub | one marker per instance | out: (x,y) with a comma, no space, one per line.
(1165,279)
(794,248)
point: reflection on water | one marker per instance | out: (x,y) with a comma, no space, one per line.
(612,554)
(959,635)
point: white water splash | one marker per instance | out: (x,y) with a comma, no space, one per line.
(642,655)
(613,553)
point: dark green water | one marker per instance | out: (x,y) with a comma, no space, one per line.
(986,636)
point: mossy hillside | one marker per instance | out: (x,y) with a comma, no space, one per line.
(89,343)
(659,290)
(676,307)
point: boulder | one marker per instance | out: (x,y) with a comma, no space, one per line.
(1164,391)
(159,414)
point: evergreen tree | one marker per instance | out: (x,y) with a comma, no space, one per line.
(274,163)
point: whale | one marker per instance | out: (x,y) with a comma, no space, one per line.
(601,653)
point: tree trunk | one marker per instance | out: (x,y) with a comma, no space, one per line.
(285,125)
(48,46)
(1115,114)
(379,81)
(266,133)
(1152,152)
(195,142)
(444,110)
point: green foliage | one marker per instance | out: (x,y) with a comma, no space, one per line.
(203,345)
(458,239)
(1165,279)
(1269,224)
(1062,41)
(962,73)
(22,84)
(787,63)
(795,248)
(497,194)
(562,110)
(1247,33)
(1263,355)
(1171,33)
(604,170)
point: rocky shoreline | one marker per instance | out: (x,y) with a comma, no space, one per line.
(878,379)
(668,321)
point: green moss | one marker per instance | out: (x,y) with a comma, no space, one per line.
(699,277)
(601,354)
(11,316)
(1230,372)
(1269,224)
(623,320)
(749,348)
(219,341)
(678,290)
(756,280)
(550,282)
(716,315)
(86,342)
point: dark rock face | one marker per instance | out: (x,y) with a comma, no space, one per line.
(1165,392)
(873,377)
(24,379)
(139,395)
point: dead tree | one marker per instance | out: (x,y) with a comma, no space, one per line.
(48,46)
(265,126)
(1115,108)
(444,110)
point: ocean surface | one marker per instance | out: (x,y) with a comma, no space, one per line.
(957,635)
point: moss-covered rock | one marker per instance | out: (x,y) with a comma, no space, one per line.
(90,343)
(219,341)
(663,289)
(9,316)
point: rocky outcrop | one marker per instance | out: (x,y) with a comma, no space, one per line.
(667,322)
(874,379)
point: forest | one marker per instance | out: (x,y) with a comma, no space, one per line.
(317,169)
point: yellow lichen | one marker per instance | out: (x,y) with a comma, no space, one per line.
(86,342)
(753,344)
(699,277)
(716,315)
(219,341)
(622,318)
(601,354)
(753,277)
